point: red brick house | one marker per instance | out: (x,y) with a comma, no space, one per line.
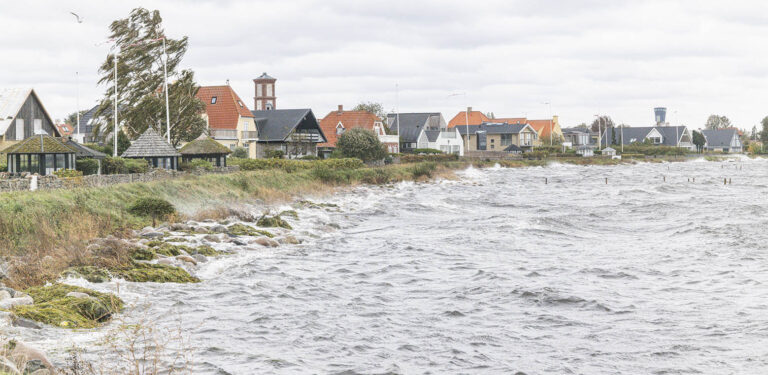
(335,123)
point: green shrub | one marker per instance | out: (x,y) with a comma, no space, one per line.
(239,152)
(3,165)
(362,144)
(63,173)
(274,154)
(411,158)
(309,157)
(87,166)
(152,207)
(195,164)
(114,165)
(423,169)
(105,149)
(426,151)
(136,165)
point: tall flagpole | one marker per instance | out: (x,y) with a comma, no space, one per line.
(114,135)
(77,83)
(167,107)
(397,115)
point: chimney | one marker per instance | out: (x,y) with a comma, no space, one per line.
(341,108)
(227,81)
(469,109)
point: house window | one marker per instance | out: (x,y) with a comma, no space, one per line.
(240,104)
(506,139)
(258,89)
(19,129)
(213,100)
(339,129)
(38,124)
(245,125)
(269,90)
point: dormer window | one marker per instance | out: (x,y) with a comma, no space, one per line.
(339,129)
(213,100)
(240,104)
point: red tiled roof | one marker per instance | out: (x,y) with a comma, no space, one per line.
(510,120)
(348,119)
(65,129)
(542,127)
(224,113)
(475,118)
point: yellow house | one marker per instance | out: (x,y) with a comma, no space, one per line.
(546,127)
(230,122)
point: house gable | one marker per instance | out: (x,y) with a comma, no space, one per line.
(29,117)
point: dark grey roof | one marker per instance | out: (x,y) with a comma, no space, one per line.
(265,76)
(150,144)
(411,124)
(513,148)
(575,130)
(277,124)
(491,128)
(432,135)
(671,134)
(668,134)
(85,152)
(719,138)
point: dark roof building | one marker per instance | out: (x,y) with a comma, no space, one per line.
(412,128)
(153,148)
(22,115)
(205,148)
(296,132)
(40,154)
(657,135)
(726,140)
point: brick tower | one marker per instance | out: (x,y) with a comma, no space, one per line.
(265,93)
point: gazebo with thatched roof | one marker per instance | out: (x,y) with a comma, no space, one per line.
(205,148)
(155,150)
(40,154)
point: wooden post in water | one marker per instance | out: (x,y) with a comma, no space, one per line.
(665,178)
(606,180)
(725,181)
(730,181)
(545,180)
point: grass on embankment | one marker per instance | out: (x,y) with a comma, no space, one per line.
(45,230)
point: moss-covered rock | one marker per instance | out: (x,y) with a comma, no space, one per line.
(290,213)
(158,273)
(53,306)
(177,239)
(273,221)
(245,230)
(90,273)
(167,249)
(206,250)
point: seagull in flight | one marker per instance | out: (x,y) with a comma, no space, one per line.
(79,20)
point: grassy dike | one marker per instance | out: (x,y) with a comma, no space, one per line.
(43,227)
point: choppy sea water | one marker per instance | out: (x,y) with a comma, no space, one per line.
(496,272)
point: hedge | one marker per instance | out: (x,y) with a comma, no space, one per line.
(429,157)
(295,165)
(87,166)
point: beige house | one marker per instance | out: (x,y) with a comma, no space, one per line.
(512,138)
(230,122)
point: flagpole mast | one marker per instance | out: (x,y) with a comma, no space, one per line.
(77,84)
(114,135)
(167,106)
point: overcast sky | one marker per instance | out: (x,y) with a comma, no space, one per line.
(620,58)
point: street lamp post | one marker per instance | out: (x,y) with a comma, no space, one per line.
(599,134)
(551,120)
(114,133)
(167,106)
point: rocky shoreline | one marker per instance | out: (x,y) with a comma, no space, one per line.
(168,253)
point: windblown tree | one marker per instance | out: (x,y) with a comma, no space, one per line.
(699,140)
(138,42)
(603,122)
(715,122)
(372,107)
(764,132)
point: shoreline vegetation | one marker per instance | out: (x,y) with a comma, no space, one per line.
(92,232)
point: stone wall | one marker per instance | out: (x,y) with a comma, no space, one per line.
(53,182)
